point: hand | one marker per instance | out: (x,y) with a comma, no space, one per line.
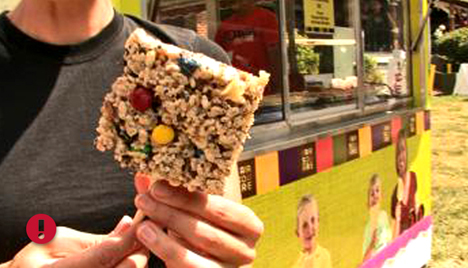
(374,239)
(203,230)
(74,249)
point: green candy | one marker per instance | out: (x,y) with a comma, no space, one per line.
(146,150)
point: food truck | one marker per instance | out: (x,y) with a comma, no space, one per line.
(338,164)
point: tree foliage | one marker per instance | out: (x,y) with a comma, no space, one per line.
(371,72)
(307,60)
(453,45)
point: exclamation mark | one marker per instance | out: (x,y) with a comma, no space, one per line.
(41,229)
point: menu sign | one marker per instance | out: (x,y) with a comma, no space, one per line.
(319,15)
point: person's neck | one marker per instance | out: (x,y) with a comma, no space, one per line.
(62,22)
(245,10)
(312,249)
(375,208)
(405,177)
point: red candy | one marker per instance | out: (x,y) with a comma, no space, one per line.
(141,99)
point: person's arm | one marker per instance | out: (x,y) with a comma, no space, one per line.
(270,34)
(387,231)
(370,249)
(397,221)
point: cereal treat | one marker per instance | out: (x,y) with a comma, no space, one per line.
(177,115)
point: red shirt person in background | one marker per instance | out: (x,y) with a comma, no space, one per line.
(251,38)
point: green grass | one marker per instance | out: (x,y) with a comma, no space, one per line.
(455,109)
(450,182)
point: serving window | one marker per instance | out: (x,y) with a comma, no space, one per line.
(324,56)
(385,50)
(248,31)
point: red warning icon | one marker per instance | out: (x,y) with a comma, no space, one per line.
(41,228)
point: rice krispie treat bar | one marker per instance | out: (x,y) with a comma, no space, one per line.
(177,115)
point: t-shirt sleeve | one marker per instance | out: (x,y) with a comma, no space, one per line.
(270,28)
(210,49)
(184,38)
(367,239)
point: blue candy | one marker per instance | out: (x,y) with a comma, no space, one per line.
(188,66)
(199,153)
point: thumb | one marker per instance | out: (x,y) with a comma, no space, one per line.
(124,224)
(142,183)
(108,253)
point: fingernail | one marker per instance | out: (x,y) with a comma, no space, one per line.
(147,234)
(123,225)
(142,183)
(162,189)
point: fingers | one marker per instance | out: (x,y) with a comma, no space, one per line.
(106,253)
(172,253)
(226,214)
(72,240)
(142,183)
(138,259)
(198,233)
(124,224)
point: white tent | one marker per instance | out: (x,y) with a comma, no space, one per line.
(461,85)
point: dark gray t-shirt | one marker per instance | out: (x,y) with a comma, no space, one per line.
(50,99)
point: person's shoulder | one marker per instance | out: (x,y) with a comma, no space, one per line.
(383,213)
(181,37)
(300,262)
(264,12)
(266,17)
(323,252)
(324,256)
(383,216)
(170,34)
(3,39)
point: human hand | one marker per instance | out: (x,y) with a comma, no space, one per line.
(374,239)
(74,249)
(203,230)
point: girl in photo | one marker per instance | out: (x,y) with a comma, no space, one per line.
(405,210)
(377,233)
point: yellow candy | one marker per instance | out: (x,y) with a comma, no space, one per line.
(162,135)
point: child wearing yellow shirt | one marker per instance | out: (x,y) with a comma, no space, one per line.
(313,255)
